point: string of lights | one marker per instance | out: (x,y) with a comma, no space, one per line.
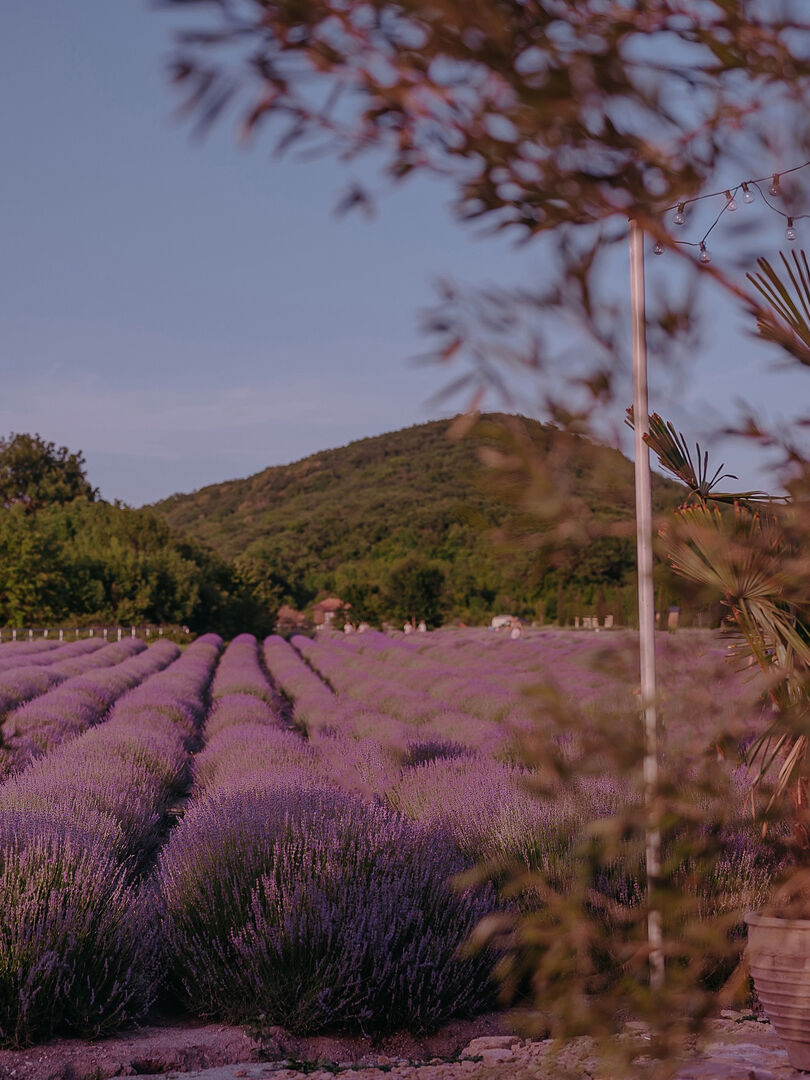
(730,195)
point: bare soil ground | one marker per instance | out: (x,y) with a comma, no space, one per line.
(184,1047)
(734,1049)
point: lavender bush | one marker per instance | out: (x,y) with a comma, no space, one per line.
(487,809)
(250,751)
(240,672)
(313,908)
(78,789)
(21,684)
(311,698)
(421,752)
(295,887)
(239,709)
(366,767)
(106,656)
(179,693)
(78,949)
(22,647)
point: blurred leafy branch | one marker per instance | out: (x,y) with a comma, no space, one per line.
(558,120)
(549,120)
(755,559)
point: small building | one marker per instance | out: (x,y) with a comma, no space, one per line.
(326,611)
(290,621)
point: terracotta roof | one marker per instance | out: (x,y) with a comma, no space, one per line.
(287,612)
(330,604)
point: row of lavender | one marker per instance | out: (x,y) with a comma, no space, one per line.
(80,701)
(81,949)
(289,896)
(31,675)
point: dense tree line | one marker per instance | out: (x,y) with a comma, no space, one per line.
(67,556)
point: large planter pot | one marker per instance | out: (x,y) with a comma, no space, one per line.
(779,958)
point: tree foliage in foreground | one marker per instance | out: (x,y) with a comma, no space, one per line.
(553,119)
(541,112)
(556,118)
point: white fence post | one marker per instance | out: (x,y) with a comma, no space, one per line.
(120,632)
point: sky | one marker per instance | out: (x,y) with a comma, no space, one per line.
(187,311)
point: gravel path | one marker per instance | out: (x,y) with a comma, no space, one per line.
(734,1049)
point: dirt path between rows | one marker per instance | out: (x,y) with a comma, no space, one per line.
(170,1047)
(734,1049)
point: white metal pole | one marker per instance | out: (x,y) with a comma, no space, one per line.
(646,597)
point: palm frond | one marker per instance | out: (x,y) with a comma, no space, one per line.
(673,453)
(743,557)
(787,324)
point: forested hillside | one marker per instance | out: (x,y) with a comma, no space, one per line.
(356,519)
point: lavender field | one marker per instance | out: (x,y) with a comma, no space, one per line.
(271,830)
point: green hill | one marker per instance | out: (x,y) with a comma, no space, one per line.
(344,520)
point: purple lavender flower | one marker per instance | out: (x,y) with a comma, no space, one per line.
(315,909)
(311,698)
(78,951)
(240,672)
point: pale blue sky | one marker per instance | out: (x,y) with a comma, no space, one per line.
(186,311)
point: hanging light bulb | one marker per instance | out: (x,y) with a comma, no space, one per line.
(659,248)
(790,232)
(730,204)
(748,195)
(705,257)
(774,189)
(679,219)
